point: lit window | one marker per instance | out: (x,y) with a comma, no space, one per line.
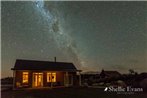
(25,77)
(51,77)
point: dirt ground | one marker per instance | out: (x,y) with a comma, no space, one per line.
(68,93)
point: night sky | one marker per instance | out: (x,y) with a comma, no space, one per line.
(92,35)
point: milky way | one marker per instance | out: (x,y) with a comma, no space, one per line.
(63,40)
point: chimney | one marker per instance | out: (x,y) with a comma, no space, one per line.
(55,59)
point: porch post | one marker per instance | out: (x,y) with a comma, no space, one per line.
(13,79)
(79,79)
(67,79)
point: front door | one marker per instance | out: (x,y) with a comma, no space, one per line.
(37,79)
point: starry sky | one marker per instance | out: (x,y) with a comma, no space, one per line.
(92,35)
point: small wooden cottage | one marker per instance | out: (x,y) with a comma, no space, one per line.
(36,74)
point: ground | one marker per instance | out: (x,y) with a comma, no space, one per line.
(67,93)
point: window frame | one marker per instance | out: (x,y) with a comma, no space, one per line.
(51,75)
(25,77)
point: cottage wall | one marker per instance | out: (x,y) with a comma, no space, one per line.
(60,79)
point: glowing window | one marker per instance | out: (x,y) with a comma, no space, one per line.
(51,77)
(25,77)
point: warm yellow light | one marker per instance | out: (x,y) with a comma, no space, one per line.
(38,79)
(25,77)
(51,77)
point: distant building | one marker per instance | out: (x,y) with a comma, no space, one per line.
(90,74)
(89,77)
(109,74)
(7,80)
(35,74)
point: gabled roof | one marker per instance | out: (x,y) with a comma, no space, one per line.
(21,64)
(112,73)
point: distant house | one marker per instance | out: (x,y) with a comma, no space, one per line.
(109,74)
(90,75)
(35,74)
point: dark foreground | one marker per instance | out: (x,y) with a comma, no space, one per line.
(67,93)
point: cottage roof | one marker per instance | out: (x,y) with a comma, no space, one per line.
(21,64)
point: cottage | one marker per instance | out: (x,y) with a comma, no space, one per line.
(36,74)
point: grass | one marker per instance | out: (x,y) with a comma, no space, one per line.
(67,93)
